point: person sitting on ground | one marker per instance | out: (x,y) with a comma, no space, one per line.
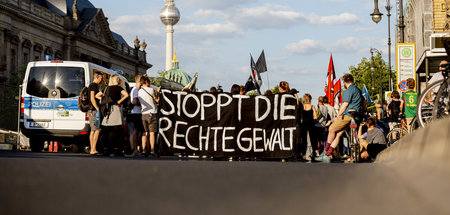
(372,142)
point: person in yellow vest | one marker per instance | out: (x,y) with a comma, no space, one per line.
(410,99)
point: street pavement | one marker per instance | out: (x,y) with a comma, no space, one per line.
(66,183)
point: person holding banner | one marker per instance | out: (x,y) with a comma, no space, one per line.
(148,100)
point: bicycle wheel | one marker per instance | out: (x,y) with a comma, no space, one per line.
(395,135)
(414,125)
(441,102)
(425,103)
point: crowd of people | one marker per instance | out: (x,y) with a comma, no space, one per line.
(321,126)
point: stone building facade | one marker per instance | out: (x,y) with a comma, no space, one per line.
(426,22)
(66,30)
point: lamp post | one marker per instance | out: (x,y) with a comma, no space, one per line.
(376,17)
(372,69)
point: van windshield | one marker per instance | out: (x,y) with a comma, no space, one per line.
(67,82)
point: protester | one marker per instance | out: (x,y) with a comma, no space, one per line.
(372,142)
(382,117)
(93,109)
(410,99)
(352,100)
(322,120)
(113,120)
(284,87)
(268,93)
(242,90)
(308,135)
(332,116)
(438,75)
(235,89)
(213,90)
(394,109)
(148,100)
(134,118)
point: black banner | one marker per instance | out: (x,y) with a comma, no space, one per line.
(225,125)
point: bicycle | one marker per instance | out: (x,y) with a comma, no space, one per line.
(434,101)
(400,129)
(353,141)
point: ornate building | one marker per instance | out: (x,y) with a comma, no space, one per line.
(427,21)
(65,30)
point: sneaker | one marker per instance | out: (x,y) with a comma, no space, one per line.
(152,155)
(135,154)
(323,158)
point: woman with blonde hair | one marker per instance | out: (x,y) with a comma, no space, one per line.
(113,97)
(308,117)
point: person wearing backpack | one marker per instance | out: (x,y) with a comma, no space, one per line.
(394,109)
(93,89)
(114,96)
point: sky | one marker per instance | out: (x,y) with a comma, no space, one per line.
(216,37)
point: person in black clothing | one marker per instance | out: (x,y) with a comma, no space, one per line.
(394,109)
(113,120)
(93,108)
(308,117)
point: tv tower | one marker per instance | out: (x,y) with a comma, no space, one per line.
(169,16)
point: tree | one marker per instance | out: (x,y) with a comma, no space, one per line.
(363,75)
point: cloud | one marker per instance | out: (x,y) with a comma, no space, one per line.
(341,19)
(310,46)
(306,46)
(216,4)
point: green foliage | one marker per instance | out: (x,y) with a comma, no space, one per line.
(363,75)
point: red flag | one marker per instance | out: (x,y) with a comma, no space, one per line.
(337,92)
(329,84)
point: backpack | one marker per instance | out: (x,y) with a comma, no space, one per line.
(83,100)
(106,103)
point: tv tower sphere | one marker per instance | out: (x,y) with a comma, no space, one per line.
(169,16)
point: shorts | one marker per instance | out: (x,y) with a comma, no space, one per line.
(91,115)
(149,122)
(136,119)
(341,123)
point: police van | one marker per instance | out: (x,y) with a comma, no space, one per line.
(49,103)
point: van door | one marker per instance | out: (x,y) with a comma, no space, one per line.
(38,106)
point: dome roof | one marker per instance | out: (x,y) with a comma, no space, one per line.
(176,74)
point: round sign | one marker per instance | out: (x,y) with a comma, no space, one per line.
(406,52)
(54,93)
(402,86)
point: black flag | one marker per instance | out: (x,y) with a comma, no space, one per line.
(249,86)
(257,81)
(261,65)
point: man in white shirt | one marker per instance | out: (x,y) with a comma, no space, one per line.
(148,100)
(134,118)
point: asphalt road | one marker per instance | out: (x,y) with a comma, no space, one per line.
(63,183)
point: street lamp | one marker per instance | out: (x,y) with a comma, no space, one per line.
(372,69)
(376,17)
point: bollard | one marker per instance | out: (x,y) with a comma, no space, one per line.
(55,147)
(50,146)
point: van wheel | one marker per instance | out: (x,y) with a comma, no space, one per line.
(36,144)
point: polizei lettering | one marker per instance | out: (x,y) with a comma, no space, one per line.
(228,125)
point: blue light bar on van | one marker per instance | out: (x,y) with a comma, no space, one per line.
(48,57)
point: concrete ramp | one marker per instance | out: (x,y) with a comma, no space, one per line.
(426,145)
